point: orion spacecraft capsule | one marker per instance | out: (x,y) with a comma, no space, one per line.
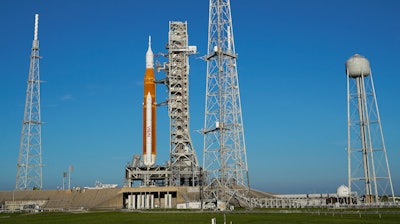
(149,111)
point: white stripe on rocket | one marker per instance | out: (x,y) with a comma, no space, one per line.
(149,131)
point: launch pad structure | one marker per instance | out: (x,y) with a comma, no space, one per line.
(182,169)
(223,179)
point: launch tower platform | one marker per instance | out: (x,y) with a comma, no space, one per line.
(182,169)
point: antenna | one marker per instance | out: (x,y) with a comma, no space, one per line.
(35,43)
(29,166)
(35,37)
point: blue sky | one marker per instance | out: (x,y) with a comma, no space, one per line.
(291,74)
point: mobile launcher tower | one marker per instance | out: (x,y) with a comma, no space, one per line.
(182,169)
(368,166)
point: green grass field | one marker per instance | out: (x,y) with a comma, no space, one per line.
(176,217)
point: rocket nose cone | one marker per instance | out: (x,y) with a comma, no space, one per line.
(149,56)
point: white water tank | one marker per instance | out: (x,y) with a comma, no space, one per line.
(357,66)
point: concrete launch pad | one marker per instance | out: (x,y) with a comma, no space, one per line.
(110,198)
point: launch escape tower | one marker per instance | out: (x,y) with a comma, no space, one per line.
(29,166)
(183,168)
(368,167)
(224,159)
(183,159)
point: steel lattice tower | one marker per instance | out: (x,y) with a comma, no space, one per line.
(184,164)
(224,159)
(368,167)
(29,166)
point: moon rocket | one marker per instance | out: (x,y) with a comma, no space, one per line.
(149,111)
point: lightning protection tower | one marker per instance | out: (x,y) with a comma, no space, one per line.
(224,159)
(29,166)
(368,167)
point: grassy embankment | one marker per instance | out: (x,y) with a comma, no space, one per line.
(177,217)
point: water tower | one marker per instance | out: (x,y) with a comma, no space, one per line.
(368,167)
